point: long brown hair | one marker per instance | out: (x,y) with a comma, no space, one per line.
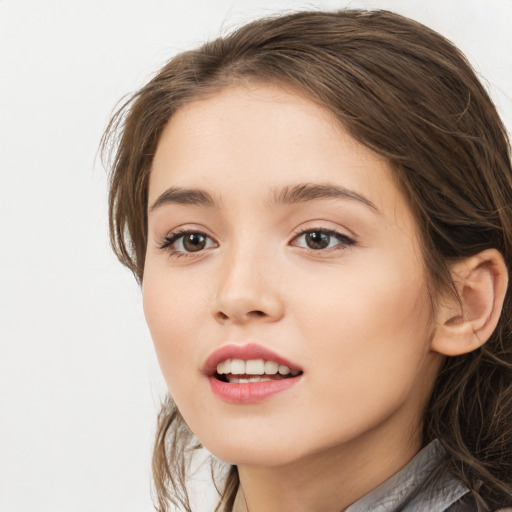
(409,95)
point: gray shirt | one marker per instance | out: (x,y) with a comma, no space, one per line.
(410,490)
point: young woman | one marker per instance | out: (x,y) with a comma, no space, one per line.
(318,208)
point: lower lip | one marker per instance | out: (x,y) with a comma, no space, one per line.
(250,392)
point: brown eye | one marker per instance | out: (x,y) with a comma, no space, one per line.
(320,239)
(182,243)
(317,239)
(193,242)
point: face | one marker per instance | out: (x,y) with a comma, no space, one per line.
(283,285)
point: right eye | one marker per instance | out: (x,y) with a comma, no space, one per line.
(184,242)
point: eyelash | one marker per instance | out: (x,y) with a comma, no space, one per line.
(170,239)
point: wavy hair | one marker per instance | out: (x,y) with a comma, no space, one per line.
(408,94)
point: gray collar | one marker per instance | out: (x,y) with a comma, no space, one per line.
(410,490)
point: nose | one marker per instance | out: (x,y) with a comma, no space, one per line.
(247,291)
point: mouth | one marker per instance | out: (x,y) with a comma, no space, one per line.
(245,374)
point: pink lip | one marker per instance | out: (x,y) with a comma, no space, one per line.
(250,392)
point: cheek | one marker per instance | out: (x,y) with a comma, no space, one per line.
(172,310)
(372,321)
(368,349)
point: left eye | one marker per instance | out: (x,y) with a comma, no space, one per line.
(319,239)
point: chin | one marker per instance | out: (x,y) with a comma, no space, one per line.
(252,446)
(253,455)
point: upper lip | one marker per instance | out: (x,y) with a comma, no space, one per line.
(245,352)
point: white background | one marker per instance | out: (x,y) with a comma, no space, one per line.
(79,384)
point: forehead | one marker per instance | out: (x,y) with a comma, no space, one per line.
(247,140)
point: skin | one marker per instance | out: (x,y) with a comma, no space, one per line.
(354,316)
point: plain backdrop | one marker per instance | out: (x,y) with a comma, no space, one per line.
(79,384)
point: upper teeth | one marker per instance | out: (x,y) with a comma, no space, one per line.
(253,367)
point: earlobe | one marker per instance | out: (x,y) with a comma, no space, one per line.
(466,322)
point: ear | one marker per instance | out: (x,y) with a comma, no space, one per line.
(464,325)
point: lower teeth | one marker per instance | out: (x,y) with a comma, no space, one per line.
(254,378)
(247,380)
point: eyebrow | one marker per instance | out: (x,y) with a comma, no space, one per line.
(178,195)
(291,194)
(304,192)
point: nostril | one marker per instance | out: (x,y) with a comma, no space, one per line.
(221,316)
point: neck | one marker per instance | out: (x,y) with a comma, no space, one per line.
(323,482)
